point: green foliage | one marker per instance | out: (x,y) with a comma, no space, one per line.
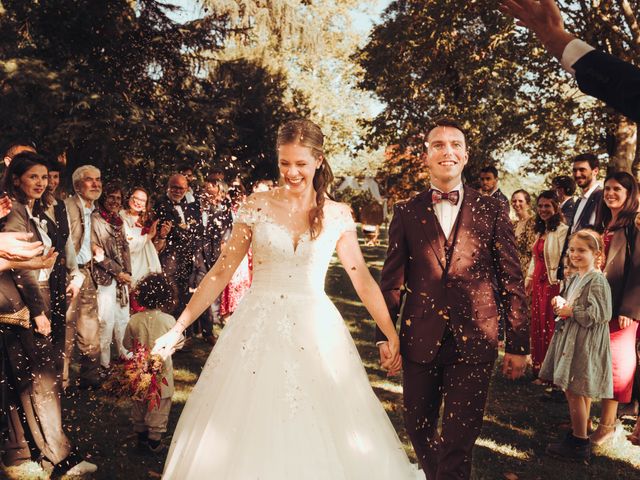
(356,198)
(121,85)
(463,59)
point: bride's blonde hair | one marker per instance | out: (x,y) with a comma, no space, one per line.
(307,134)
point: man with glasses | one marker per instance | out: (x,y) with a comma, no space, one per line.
(179,230)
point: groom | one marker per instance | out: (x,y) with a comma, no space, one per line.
(448,247)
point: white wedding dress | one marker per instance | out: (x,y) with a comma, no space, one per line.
(284,394)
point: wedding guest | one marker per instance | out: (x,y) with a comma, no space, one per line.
(599,74)
(489,185)
(565,187)
(371,217)
(32,389)
(579,356)
(241,280)
(585,173)
(523,227)
(83,326)
(616,220)
(180,229)
(157,297)
(16,148)
(217,222)
(66,266)
(263,185)
(111,271)
(140,231)
(585,169)
(541,281)
(188,173)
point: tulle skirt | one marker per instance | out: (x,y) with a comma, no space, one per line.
(284,395)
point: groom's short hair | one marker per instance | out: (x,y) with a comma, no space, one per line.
(445,122)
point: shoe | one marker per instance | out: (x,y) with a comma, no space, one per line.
(73,465)
(82,468)
(210,339)
(570,448)
(603,434)
(155,446)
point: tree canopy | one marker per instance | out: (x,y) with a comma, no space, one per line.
(464,59)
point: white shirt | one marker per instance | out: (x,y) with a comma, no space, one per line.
(573,52)
(582,201)
(180,212)
(189,196)
(84,255)
(446,212)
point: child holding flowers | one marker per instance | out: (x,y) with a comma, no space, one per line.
(579,356)
(153,379)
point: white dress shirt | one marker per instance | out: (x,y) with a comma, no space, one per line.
(85,254)
(573,52)
(180,213)
(446,212)
(582,201)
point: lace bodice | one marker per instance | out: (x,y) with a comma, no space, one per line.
(279,265)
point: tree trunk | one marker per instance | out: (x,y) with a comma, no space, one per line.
(625,134)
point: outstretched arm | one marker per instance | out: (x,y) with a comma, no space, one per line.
(369,292)
(209,288)
(544,19)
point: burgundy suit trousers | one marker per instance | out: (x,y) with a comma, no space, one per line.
(463,388)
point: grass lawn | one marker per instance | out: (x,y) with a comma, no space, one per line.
(517,427)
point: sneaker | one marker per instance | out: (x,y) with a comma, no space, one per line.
(73,465)
(82,468)
(571,448)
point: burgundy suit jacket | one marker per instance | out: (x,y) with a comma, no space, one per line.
(461,292)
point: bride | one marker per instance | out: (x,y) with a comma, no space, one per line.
(284,394)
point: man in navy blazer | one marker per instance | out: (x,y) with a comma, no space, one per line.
(614,81)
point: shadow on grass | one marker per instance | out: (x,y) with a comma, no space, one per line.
(517,427)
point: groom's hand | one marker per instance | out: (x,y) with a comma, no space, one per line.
(513,366)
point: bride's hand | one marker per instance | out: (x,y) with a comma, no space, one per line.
(165,346)
(390,358)
(395,361)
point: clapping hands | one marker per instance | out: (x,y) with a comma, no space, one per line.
(17,246)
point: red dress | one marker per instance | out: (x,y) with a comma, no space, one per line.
(238,286)
(623,349)
(542,316)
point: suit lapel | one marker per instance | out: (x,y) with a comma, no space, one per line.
(464,223)
(430,225)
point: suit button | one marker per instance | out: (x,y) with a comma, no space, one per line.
(62,262)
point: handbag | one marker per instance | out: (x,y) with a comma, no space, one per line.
(20,318)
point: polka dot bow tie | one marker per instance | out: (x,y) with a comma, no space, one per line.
(453,196)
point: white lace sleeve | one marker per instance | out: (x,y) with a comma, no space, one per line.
(246,214)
